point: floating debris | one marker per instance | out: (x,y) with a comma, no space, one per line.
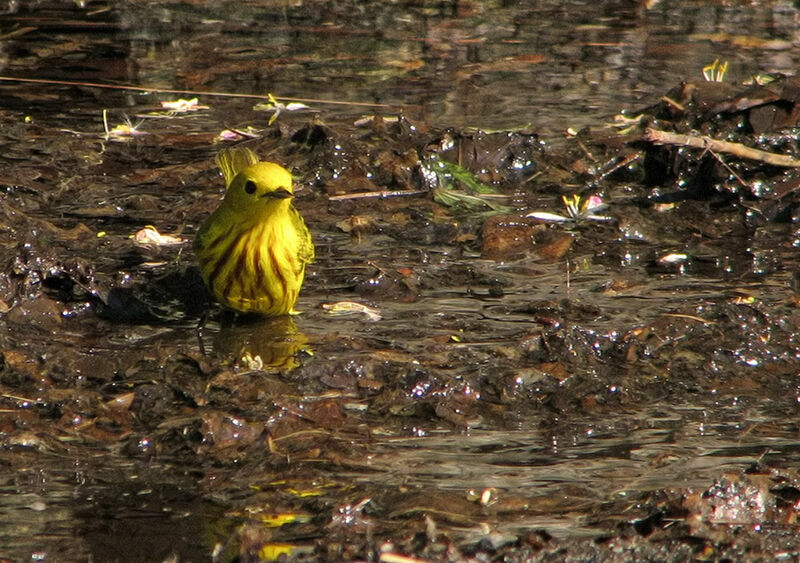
(182,106)
(577,209)
(276,107)
(344,308)
(238,134)
(123,130)
(149,235)
(716,71)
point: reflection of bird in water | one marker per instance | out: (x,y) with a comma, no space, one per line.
(262,342)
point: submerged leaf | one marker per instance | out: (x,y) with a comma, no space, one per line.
(452,198)
(281,519)
(450,175)
(274,551)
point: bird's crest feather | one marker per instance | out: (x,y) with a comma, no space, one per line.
(234,160)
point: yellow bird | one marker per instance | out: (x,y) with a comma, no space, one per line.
(253,250)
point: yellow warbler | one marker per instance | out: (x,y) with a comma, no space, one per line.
(254,248)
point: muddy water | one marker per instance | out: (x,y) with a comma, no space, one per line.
(490,404)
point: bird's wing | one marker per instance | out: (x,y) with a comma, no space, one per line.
(305,247)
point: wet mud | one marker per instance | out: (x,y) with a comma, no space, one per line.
(518,341)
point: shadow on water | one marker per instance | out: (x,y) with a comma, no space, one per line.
(459,383)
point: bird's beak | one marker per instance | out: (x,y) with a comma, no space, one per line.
(280,193)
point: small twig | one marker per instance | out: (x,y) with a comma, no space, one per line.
(532,177)
(586,151)
(151,90)
(702,142)
(105,124)
(628,159)
(19,398)
(730,170)
(690,317)
(673,103)
(380,194)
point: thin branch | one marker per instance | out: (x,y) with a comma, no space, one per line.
(730,170)
(626,161)
(380,194)
(659,137)
(187,92)
(673,103)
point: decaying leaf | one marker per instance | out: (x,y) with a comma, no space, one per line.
(149,235)
(344,308)
(182,105)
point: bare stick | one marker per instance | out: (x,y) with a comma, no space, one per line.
(730,170)
(701,142)
(673,103)
(381,194)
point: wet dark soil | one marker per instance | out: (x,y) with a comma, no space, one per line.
(532,331)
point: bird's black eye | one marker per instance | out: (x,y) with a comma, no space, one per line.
(250,187)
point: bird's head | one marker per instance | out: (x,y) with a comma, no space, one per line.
(259,187)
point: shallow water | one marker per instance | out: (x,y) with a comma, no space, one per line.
(494,398)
